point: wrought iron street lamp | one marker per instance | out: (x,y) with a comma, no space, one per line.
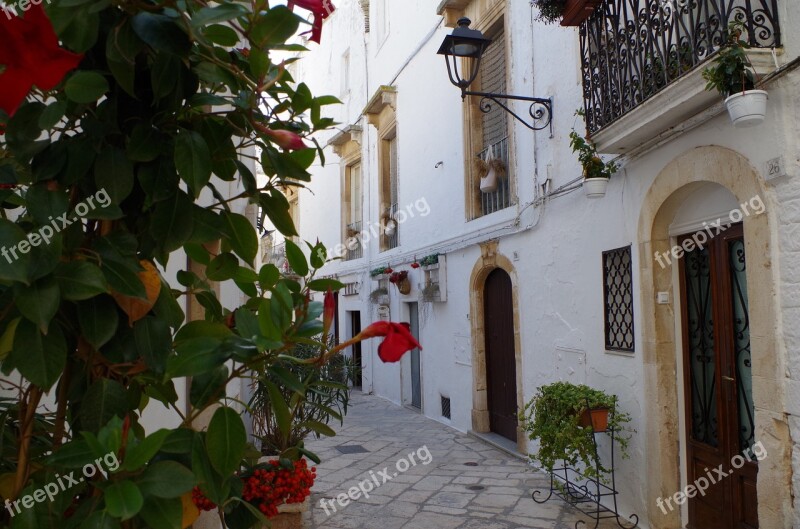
(467,43)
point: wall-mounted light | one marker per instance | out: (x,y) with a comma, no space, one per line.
(466,43)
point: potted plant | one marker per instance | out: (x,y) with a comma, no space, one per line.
(400,280)
(430,261)
(596,172)
(568,12)
(734,78)
(563,417)
(379,273)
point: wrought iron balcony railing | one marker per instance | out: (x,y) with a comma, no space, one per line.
(633,49)
(500,198)
(353,242)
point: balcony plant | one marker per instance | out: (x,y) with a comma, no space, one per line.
(733,76)
(563,416)
(143,107)
(596,172)
(567,12)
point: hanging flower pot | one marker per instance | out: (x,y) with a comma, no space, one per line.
(489,182)
(595,187)
(400,280)
(748,108)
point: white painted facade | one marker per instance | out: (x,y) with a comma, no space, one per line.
(555,244)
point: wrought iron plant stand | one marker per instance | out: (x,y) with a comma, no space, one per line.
(587,494)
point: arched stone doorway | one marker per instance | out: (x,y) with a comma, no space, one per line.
(664,439)
(490,261)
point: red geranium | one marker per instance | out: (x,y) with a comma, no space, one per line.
(31,56)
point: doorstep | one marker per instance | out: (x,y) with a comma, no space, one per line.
(498,441)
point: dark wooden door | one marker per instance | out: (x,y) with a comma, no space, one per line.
(355,329)
(416,369)
(501,368)
(718,384)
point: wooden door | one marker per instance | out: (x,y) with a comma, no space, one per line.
(501,368)
(355,329)
(416,368)
(718,384)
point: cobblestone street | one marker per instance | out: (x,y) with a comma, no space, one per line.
(466,484)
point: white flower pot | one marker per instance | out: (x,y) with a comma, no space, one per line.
(747,109)
(489,182)
(595,187)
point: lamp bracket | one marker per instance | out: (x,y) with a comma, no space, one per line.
(540,110)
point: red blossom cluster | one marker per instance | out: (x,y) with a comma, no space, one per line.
(201,502)
(270,487)
(398,276)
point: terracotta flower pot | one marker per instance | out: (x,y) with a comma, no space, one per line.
(597,419)
(576,11)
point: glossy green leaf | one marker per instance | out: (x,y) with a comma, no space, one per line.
(80,280)
(39,302)
(222,267)
(98,318)
(123,500)
(195,356)
(103,400)
(39,358)
(208,387)
(162,513)
(113,171)
(85,87)
(154,342)
(226,440)
(222,35)
(137,456)
(280,408)
(13,263)
(193,160)
(172,222)
(166,479)
(219,13)
(241,235)
(297,259)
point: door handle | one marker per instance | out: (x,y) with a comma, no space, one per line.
(729,379)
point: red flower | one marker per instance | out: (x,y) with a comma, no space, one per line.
(329,312)
(415,265)
(321,9)
(397,342)
(31,56)
(286,139)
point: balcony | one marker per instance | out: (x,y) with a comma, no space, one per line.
(501,197)
(353,243)
(642,62)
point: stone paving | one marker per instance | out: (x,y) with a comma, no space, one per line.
(467,484)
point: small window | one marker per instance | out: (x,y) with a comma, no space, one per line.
(388,192)
(618,299)
(445,407)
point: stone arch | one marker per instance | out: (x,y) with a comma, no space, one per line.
(490,260)
(679,179)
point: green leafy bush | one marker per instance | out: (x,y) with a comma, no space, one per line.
(732,71)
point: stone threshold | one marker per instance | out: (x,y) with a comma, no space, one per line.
(498,441)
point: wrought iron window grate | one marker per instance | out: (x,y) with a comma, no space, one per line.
(618,299)
(633,49)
